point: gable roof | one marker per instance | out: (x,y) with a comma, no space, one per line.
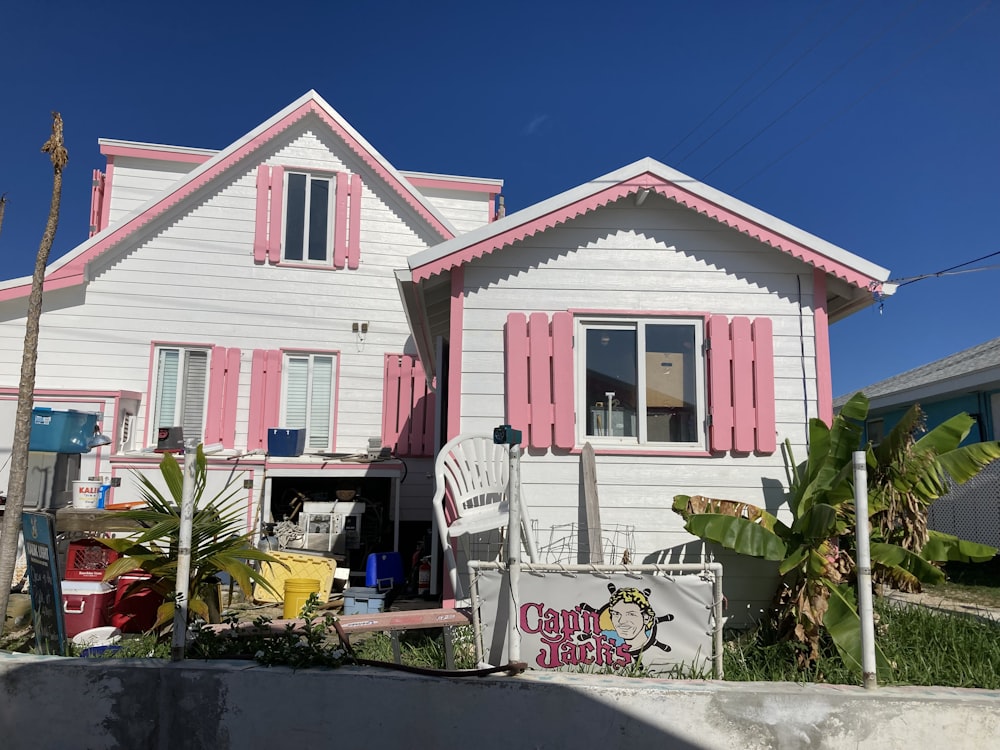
(650,175)
(975,368)
(70,269)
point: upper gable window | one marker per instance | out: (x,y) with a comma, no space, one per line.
(309,201)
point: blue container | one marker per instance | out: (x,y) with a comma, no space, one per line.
(61,431)
(384,570)
(281,442)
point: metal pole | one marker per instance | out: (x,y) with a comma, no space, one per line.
(865,610)
(184,552)
(514,553)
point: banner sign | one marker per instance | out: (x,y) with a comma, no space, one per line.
(43,576)
(600,620)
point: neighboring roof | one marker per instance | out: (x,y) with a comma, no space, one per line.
(973,368)
(650,175)
(70,269)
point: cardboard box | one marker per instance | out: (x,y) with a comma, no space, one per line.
(665,377)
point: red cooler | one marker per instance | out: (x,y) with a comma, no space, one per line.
(134,612)
(86,605)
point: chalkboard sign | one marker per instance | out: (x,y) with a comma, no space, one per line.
(43,574)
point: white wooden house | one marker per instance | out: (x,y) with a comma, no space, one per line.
(230,292)
(681,332)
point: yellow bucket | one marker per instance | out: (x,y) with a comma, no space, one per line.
(297,591)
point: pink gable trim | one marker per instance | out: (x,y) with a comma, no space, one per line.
(137,152)
(821,326)
(456,185)
(274,220)
(340,221)
(73,271)
(260,214)
(616,192)
(354,243)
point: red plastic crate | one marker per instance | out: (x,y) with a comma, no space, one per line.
(87,559)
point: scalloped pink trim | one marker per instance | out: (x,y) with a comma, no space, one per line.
(662,187)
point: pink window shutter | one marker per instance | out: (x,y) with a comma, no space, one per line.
(354,241)
(407,407)
(720,388)
(340,221)
(96,202)
(260,215)
(763,385)
(563,381)
(540,380)
(744,416)
(230,397)
(390,401)
(265,396)
(516,369)
(277,189)
(421,412)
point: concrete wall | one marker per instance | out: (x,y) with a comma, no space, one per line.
(48,702)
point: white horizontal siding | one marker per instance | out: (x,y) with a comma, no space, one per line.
(135,181)
(466,211)
(657,258)
(193,279)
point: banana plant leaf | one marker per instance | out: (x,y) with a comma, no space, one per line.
(737,534)
(817,523)
(942,547)
(843,623)
(895,557)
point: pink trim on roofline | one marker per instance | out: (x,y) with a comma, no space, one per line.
(73,272)
(664,188)
(139,152)
(457,185)
(821,339)
(457,323)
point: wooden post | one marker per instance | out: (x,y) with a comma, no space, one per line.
(595,552)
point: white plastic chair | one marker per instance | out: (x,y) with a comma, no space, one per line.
(473,470)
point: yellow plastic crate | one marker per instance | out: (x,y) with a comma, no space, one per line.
(299,566)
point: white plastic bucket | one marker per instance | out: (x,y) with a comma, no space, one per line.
(86,493)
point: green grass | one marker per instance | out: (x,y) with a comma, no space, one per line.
(926,647)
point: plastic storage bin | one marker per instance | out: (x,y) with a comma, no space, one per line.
(282,442)
(361,600)
(86,605)
(61,431)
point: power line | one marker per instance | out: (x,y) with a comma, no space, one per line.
(951,271)
(894,22)
(745,81)
(781,75)
(920,53)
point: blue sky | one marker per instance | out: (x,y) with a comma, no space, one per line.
(870,124)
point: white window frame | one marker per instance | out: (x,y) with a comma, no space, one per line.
(331,180)
(640,439)
(310,424)
(182,390)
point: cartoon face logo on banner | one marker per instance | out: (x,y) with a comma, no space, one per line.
(629,619)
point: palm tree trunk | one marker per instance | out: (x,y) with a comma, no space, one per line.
(17,482)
